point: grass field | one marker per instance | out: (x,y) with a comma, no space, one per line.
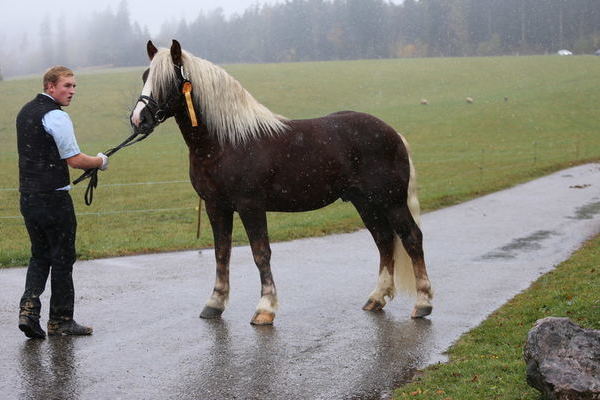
(531,116)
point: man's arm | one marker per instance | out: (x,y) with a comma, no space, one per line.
(58,124)
(83,161)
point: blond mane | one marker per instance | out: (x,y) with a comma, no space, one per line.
(227,109)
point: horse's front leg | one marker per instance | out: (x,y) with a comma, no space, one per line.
(255,223)
(221,221)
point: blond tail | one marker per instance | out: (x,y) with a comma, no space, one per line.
(404,275)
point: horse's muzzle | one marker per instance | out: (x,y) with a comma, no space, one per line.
(146,124)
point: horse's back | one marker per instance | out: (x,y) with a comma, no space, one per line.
(364,138)
(371,154)
(361,131)
(316,161)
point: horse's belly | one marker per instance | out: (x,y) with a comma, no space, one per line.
(290,198)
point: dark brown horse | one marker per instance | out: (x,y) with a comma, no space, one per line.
(245,159)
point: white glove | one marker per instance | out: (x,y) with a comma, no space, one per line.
(104,158)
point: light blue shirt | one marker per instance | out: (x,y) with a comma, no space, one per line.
(59,125)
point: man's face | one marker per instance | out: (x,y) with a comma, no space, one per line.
(63,90)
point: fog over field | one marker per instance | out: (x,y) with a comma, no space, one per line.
(26,16)
(113,33)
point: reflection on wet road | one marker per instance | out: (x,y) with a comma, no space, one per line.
(149,343)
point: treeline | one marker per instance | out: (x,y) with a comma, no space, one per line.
(107,38)
(303,30)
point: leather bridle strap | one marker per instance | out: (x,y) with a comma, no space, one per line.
(92,173)
(157,113)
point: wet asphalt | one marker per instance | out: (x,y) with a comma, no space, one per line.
(149,343)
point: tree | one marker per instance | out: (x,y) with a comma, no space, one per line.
(46,43)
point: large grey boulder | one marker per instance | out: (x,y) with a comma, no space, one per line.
(563,360)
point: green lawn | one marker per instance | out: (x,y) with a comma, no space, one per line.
(531,116)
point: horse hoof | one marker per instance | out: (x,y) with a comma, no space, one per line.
(263,318)
(372,305)
(421,311)
(210,313)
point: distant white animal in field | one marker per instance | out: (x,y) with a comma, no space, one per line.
(424,102)
(469,100)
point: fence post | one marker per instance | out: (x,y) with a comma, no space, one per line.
(481,164)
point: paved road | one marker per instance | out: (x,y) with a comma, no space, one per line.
(150,344)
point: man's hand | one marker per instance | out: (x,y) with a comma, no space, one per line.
(104,158)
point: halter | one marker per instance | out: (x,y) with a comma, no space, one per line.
(159,114)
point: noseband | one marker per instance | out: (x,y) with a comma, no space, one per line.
(159,114)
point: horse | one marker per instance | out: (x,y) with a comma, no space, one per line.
(244,158)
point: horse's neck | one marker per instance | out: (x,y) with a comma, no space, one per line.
(200,143)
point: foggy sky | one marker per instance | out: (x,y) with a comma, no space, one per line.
(18,16)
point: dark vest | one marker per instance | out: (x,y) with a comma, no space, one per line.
(40,166)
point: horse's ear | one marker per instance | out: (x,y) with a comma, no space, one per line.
(176,53)
(151,49)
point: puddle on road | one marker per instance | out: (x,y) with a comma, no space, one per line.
(520,245)
(587,211)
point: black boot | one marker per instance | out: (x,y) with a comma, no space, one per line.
(69,327)
(31,327)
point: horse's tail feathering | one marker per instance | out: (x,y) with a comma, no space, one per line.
(404,275)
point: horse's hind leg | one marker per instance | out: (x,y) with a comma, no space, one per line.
(255,223)
(383,234)
(412,240)
(221,221)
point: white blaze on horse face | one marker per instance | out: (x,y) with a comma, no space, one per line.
(146,91)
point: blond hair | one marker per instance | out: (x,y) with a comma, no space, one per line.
(55,73)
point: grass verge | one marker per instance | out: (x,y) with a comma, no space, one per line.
(487,362)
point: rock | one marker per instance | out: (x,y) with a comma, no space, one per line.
(563,360)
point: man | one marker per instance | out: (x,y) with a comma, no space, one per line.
(47,146)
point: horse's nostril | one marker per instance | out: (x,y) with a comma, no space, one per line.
(135,121)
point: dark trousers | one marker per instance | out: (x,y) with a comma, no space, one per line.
(51,224)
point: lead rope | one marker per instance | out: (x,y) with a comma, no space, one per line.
(92,173)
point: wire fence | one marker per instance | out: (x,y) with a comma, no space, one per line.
(122,211)
(474,166)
